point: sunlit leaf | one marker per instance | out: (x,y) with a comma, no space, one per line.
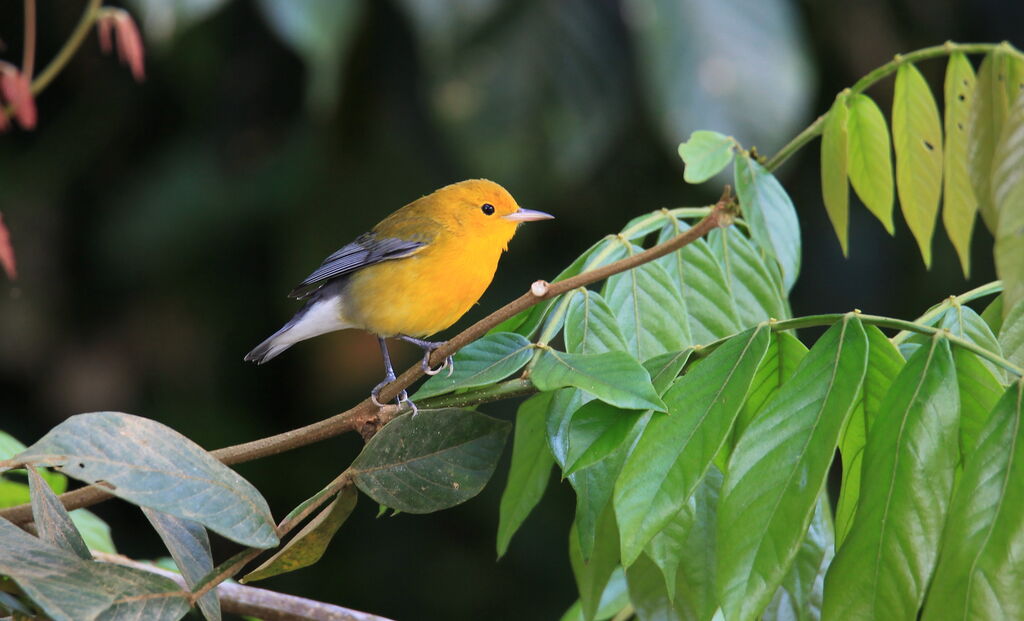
(962,322)
(95,531)
(613,600)
(870,157)
(959,204)
(665,368)
(706,154)
(529,470)
(834,187)
(979,391)
(1007,198)
(1011,334)
(771,216)
(799,597)
(614,377)
(590,326)
(784,354)
(757,293)
(481,363)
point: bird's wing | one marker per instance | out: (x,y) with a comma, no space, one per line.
(366,250)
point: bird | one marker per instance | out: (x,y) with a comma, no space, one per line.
(413,275)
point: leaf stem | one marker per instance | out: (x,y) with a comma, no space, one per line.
(70,47)
(28,54)
(995,286)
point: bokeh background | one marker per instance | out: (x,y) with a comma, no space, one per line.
(159,225)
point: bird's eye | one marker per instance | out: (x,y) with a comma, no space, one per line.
(487,208)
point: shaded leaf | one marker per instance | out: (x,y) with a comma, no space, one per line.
(590,326)
(593,574)
(979,391)
(800,596)
(309,545)
(834,187)
(771,216)
(870,157)
(960,206)
(152,465)
(706,154)
(779,467)
(481,363)
(431,461)
(613,377)
(647,591)
(917,138)
(53,524)
(665,368)
(614,599)
(94,531)
(189,546)
(1007,198)
(882,568)
(757,292)
(1011,334)
(529,470)
(676,450)
(596,430)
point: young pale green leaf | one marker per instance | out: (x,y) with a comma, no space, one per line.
(613,600)
(784,354)
(596,430)
(834,187)
(697,273)
(979,567)
(665,368)
(530,469)
(152,465)
(482,362)
(53,524)
(979,391)
(1011,334)
(884,364)
(650,310)
(799,597)
(675,451)
(69,588)
(309,545)
(431,461)
(771,216)
(1007,197)
(706,154)
(779,467)
(917,138)
(758,294)
(593,574)
(960,206)
(882,569)
(590,326)
(189,546)
(94,531)
(869,157)
(614,377)
(988,113)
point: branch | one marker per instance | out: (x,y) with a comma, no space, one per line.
(365,417)
(250,601)
(70,47)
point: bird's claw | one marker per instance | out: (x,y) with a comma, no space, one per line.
(401,399)
(447,364)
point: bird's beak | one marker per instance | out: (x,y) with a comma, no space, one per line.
(528,215)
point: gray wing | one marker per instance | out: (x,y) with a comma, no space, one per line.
(366,250)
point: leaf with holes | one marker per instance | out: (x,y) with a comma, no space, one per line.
(613,377)
(834,187)
(869,157)
(959,205)
(706,154)
(481,363)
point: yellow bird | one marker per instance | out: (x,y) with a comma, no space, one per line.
(413,275)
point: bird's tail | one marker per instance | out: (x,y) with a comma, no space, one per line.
(270,348)
(321,314)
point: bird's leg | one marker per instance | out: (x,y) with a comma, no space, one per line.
(428,348)
(389,376)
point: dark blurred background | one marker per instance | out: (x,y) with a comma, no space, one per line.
(159,225)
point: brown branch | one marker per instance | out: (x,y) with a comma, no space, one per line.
(366,417)
(28,58)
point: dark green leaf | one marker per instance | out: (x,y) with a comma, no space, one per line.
(799,597)
(979,567)
(431,461)
(482,362)
(676,450)
(1011,334)
(189,546)
(152,465)
(665,368)
(530,469)
(309,545)
(613,377)
(595,431)
(779,468)
(834,186)
(590,326)
(960,206)
(69,588)
(917,139)
(757,292)
(993,315)
(771,216)
(979,391)
(1007,197)
(53,524)
(593,573)
(706,154)
(870,157)
(780,361)
(882,568)
(563,403)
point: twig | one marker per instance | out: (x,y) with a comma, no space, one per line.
(28,54)
(70,47)
(239,599)
(365,414)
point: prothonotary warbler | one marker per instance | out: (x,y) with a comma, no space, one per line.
(413,275)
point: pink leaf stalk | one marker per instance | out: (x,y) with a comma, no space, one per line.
(118,24)
(7,251)
(16,91)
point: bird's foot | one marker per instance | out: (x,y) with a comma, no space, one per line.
(428,348)
(403,397)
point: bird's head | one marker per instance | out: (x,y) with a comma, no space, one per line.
(485,210)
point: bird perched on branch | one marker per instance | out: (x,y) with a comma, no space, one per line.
(413,275)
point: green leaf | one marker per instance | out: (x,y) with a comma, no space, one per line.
(1011,334)
(869,155)
(757,292)
(960,205)
(53,524)
(780,361)
(771,216)
(882,569)
(189,546)
(988,114)
(530,469)
(979,391)
(613,377)
(152,465)
(9,446)
(963,322)
(94,531)
(834,187)
(884,364)
(613,600)
(706,154)
(779,468)
(590,326)
(993,314)
(977,575)
(799,597)
(665,368)
(481,363)
(309,545)
(1008,198)
(676,450)
(647,591)
(69,588)
(596,430)
(431,461)
(650,310)
(593,575)
(696,272)
(917,138)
